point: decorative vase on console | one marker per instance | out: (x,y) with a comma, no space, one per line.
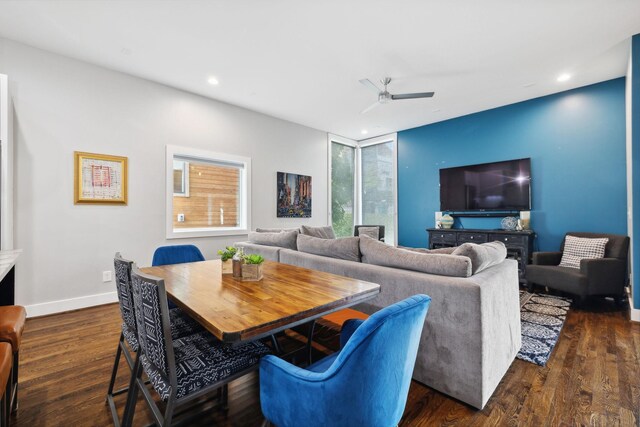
(446,221)
(509,223)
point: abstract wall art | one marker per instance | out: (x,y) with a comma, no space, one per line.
(294,195)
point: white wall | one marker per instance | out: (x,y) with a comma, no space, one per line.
(62,105)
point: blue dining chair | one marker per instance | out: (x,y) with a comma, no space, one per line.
(366,383)
(177,254)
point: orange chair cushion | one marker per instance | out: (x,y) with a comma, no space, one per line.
(6,360)
(12,318)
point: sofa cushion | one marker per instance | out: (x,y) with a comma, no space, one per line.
(321,232)
(577,248)
(283,239)
(446,250)
(346,248)
(482,256)
(379,253)
(276,230)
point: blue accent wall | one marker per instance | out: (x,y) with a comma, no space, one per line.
(635,163)
(576,142)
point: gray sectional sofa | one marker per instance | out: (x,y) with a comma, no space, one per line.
(472,330)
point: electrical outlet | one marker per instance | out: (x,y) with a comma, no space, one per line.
(106,276)
(180,217)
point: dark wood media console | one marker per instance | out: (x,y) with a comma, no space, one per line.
(519,243)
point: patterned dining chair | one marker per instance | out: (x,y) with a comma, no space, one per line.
(181,325)
(176,254)
(366,383)
(180,370)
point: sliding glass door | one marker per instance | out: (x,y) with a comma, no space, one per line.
(378,192)
(343,187)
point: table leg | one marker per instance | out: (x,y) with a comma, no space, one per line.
(276,346)
(312,327)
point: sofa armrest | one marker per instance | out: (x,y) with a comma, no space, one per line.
(605,275)
(546,258)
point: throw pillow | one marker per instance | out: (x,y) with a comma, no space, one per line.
(283,239)
(320,232)
(578,248)
(373,232)
(482,256)
(346,248)
(379,253)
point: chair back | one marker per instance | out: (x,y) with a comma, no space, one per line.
(123,283)
(376,365)
(176,254)
(152,319)
(356,230)
(617,246)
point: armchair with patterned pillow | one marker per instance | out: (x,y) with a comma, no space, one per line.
(588,264)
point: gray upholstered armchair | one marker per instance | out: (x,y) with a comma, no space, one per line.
(604,276)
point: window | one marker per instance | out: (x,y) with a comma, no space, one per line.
(343,184)
(378,187)
(180,178)
(363,184)
(207,193)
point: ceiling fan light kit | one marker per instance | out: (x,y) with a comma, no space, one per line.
(384,97)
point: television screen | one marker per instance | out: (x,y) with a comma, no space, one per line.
(500,186)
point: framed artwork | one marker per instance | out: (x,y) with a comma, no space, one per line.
(294,195)
(99,179)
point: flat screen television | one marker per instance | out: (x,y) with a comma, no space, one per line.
(499,186)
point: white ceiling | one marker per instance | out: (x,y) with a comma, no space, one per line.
(301,60)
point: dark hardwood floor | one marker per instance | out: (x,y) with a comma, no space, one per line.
(593,378)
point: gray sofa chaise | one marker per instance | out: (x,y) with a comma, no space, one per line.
(472,331)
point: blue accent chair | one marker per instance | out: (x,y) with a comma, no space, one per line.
(177,254)
(366,383)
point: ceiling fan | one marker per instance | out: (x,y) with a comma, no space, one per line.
(384,96)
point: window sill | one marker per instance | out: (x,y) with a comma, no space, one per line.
(206,232)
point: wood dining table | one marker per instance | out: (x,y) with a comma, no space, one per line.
(237,311)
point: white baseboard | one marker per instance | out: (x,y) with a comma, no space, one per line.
(59,306)
(635,313)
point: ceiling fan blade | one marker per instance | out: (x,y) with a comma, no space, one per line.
(370,107)
(368,83)
(412,95)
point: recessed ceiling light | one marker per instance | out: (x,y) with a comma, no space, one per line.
(364,131)
(213,81)
(564,77)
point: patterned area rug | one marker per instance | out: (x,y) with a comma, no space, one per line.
(541,317)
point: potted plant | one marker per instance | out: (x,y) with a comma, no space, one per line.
(252,267)
(226,255)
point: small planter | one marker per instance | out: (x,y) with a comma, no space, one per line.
(227,267)
(251,272)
